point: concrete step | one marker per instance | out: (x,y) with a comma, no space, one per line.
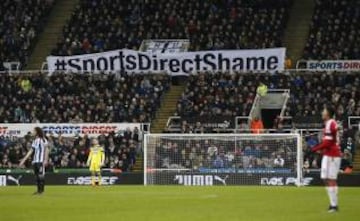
(139,164)
(297,30)
(167,109)
(47,40)
(356,163)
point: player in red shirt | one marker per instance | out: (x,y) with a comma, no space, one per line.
(330,164)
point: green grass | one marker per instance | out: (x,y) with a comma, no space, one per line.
(172,203)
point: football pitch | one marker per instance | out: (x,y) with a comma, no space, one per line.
(175,203)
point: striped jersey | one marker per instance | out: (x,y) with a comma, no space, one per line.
(39,146)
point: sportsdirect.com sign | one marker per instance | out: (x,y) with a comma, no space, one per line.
(334,65)
(66,130)
(175,63)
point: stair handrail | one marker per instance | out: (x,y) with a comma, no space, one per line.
(287,94)
(171,119)
(254,106)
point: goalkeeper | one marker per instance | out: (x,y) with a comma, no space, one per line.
(96,160)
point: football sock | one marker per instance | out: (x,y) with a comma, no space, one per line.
(333,195)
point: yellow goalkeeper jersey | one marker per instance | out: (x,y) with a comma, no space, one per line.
(96,156)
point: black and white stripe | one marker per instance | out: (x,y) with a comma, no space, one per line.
(39,145)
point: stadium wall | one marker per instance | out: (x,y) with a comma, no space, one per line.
(198,179)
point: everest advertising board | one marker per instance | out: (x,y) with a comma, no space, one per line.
(67,129)
(223,179)
(237,179)
(181,179)
(182,63)
(83,179)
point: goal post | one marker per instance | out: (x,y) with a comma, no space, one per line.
(223,159)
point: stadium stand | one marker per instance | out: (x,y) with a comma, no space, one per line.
(20,23)
(208,24)
(219,97)
(121,150)
(334,31)
(80,98)
(210,95)
(209,98)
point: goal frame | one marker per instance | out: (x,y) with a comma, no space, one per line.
(299,154)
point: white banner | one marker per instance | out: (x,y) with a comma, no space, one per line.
(67,130)
(176,64)
(333,65)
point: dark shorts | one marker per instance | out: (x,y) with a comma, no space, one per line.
(39,169)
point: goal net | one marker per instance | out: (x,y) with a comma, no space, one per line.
(222,159)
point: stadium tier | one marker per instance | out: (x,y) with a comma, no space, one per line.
(20,24)
(121,149)
(210,25)
(208,100)
(61,98)
(64,98)
(224,96)
(334,31)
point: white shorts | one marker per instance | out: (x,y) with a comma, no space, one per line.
(330,167)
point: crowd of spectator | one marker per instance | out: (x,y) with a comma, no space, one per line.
(350,141)
(80,98)
(250,154)
(100,25)
(225,154)
(213,95)
(225,94)
(121,149)
(20,23)
(334,30)
(208,94)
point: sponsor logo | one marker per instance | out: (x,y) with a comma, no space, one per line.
(165,46)
(14,180)
(66,130)
(199,180)
(9,180)
(70,129)
(339,65)
(86,180)
(221,180)
(283,181)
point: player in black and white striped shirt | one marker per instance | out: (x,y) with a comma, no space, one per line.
(40,157)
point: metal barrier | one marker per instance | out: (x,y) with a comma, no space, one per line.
(354,121)
(246,119)
(299,64)
(44,66)
(254,112)
(12,66)
(171,119)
